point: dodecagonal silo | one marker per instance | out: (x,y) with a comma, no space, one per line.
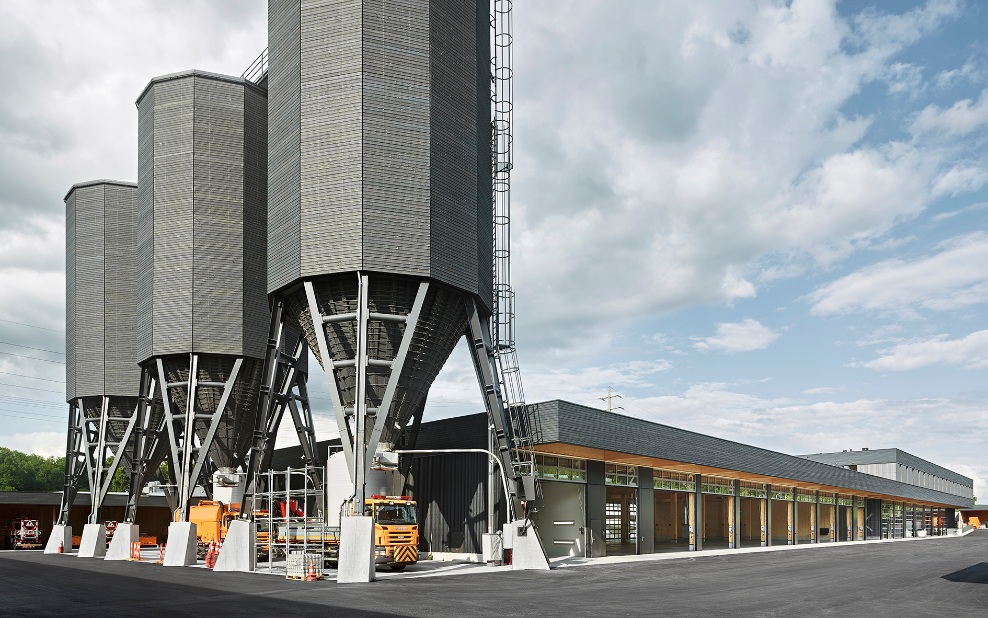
(379,229)
(101,370)
(202,305)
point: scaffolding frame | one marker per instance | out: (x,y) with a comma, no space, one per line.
(310,497)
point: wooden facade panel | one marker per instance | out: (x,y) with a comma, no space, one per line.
(173,217)
(145,226)
(330,127)
(122,374)
(284,143)
(396,134)
(218,217)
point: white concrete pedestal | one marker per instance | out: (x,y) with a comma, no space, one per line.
(238,553)
(356,563)
(182,544)
(526,549)
(93,543)
(59,534)
(124,535)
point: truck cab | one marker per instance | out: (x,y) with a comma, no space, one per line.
(396,530)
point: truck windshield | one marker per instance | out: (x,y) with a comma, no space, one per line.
(389,514)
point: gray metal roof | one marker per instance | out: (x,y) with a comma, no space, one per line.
(570,423)
(100,181)
(889,455)
(198,73)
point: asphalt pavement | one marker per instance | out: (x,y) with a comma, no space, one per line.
(941,576)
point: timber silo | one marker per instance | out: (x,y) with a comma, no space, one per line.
(202,306)
(379,225)
(101,371)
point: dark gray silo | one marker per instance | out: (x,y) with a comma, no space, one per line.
(101,371)
(202,305)
(379,208)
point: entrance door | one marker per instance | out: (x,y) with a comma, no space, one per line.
(561,521)
(621,520)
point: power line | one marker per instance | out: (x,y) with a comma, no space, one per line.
(32,388)
(31,414)
(30,418)
(27,401)
(32,326)
(45,360)
(17,345)
(21,375)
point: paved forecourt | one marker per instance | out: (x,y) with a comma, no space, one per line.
(941,576)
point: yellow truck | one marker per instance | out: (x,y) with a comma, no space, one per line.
(396,530)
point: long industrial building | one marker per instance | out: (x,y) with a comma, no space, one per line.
(614,484)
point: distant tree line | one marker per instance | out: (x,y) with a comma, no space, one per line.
(28,472)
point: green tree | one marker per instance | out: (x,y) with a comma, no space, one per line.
(23,472)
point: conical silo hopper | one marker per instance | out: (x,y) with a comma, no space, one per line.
(202,306)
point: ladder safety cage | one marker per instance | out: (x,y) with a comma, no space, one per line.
(524,427)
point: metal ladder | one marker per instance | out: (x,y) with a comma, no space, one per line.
(523,420)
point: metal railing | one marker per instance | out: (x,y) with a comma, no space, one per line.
(257,69)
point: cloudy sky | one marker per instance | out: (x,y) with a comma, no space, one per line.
(764,221)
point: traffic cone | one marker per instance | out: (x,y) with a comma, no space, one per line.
(61,547)
(311,575)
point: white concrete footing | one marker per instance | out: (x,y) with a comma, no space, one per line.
(93,544)
(356,562)
(182,544)
(59,534)
(123,536)
(238,553)
(526,549)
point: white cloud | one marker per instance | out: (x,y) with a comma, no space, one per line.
(731,338)
(967,72)
(904,78)
(960,179)
(712,154)
(44,443)
(970,351)
(962,118)
(955,277)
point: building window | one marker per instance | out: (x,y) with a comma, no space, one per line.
(716,485)
(845,501)
(781,493)
(560,468)
(805,495)
(826,499)
(675,481)
(753,490)
(618,474)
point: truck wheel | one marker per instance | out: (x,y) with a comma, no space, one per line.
(398,567)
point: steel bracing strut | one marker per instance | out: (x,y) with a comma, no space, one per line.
(92,452)
(283,388)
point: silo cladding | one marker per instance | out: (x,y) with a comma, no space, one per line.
(100,302)
(379,137)
(202,192)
